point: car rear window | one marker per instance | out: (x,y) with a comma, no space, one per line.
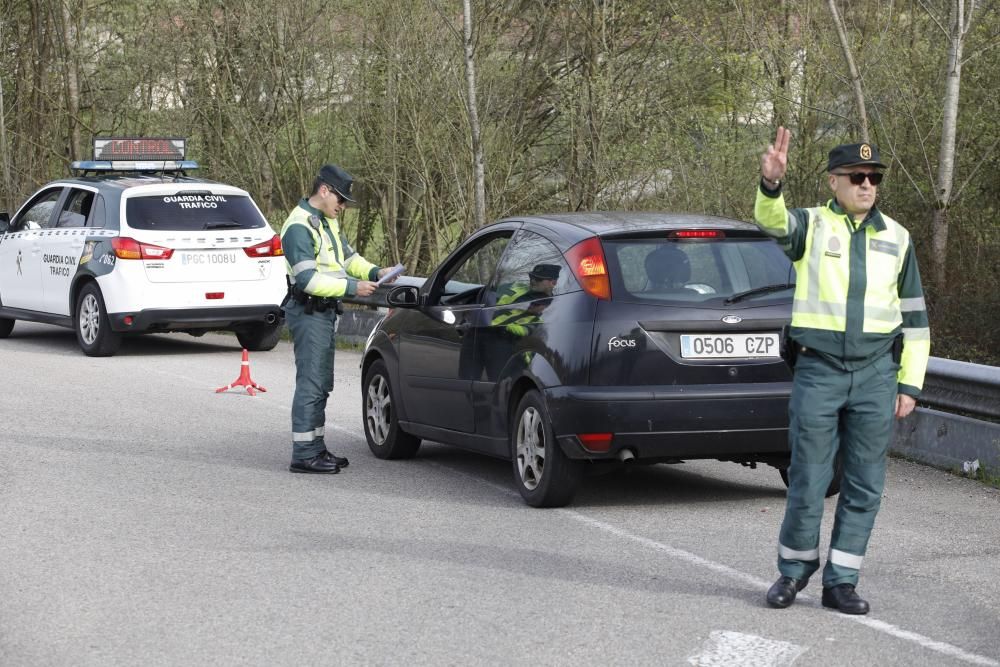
(669,271)
(192,211)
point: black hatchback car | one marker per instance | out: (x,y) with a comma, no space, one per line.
(560,341)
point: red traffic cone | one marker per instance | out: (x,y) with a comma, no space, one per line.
(244,379)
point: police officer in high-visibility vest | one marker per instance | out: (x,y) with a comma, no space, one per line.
(860,330)
(542,281)
(322,268)
(536,295)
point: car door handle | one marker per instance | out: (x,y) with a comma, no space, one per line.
(462,327)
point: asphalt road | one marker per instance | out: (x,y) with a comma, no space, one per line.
(145,519)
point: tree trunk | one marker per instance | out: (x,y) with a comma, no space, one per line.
(939,248)
(477,144)
(8,186)
(958,26)
(70,52)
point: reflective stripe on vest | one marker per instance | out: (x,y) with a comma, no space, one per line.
(516,316)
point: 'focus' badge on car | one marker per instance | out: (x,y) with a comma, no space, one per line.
(732,319)
(616,343)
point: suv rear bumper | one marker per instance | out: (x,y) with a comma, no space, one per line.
(741,422)
(182,319)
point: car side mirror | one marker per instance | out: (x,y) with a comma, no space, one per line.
(4,222)
(403,296)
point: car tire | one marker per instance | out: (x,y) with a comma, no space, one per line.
(92,326)
(6,326)
(260,337)
(544,475)
(385,437)
(838,476)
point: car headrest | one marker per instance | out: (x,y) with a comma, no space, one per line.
(668,266)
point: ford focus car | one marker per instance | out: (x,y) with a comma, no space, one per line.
(563,341)
(131,244)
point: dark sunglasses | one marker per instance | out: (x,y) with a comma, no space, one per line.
(858,177)
(329,188)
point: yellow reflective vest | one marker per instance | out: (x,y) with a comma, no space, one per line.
(318,258)
(857,285)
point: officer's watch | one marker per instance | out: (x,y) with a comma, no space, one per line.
(771,185)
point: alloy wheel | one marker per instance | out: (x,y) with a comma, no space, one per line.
(531,448)
(378,406)
(90,322)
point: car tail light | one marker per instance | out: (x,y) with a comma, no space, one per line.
(128,248)
(595,442)
(215,295)
(698,234)
(269,248)
(586,259)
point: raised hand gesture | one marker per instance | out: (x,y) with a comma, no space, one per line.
(774,161)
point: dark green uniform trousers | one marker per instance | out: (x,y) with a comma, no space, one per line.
(313,342)
(831,410)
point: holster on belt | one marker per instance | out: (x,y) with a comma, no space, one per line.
(311,302)
(897,348)
(789,348)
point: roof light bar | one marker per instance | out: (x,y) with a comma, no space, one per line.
(139,148)
(133,165)
(137,154)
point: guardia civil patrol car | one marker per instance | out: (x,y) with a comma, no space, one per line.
(132,244)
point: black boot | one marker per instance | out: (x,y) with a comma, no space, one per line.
(782,593)
(318,464)
(339,460)
(844,599)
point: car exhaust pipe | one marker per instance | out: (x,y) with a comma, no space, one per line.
(626,455)
(270,318)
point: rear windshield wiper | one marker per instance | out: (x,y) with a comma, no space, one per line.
(230,224)
(759,290)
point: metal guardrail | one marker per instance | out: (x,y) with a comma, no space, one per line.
(956,442)
(959,385)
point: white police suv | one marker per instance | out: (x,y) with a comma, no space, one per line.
(131,244)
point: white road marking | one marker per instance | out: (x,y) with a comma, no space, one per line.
(679,554)
(725,570)
(723,648)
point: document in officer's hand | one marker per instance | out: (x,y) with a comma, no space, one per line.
(393,272)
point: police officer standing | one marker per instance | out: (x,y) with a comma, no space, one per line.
(859,325)
(322,268)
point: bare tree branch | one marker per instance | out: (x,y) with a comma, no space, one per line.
(859,95)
